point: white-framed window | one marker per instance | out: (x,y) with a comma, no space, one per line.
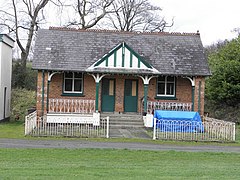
(73,82)
(166,86)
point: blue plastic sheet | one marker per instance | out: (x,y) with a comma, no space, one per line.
(178,121)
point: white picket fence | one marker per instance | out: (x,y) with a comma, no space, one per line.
(40,127)
(214,130)
(30,122)
(172,106)
(71,106)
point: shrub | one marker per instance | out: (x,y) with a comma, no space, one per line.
(21,101)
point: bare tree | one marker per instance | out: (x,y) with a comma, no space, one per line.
(137,15)
(22,18)
(90,12)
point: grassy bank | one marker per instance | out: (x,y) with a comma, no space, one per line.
(116,164)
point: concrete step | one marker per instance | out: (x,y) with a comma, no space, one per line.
(124,120)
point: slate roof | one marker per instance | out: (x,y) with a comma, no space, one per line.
(62,49)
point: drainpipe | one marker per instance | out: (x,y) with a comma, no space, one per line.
(43,80)
(193,94)
(199,97)
(48,84)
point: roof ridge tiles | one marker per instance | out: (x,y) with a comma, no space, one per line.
(125,32)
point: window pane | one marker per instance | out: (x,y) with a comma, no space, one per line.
(69,75)
(77,75)
(170,79)
(78,85)
(105,86)
(161,88)
(128,87)
(170,88)
(161,78)
(111,87)
(68,84)
(134,88)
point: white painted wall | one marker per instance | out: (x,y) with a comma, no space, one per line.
(6,45)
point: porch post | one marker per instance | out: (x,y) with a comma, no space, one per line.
(193,93)
(146,80)
(97,96)
(145,97)
(97,79)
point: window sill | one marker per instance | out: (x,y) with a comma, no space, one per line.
(73,94)
(165,98)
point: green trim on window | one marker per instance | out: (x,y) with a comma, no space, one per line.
(165,98)
(162,97)
(73,94)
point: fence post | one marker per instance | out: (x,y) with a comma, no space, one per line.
(154,128)
(26,125)
(234,132)
(107,135)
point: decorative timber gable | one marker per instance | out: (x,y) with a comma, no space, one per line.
(122,56)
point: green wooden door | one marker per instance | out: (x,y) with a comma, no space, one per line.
(131,95)
(108,95)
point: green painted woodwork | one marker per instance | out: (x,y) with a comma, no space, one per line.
(48,85)
(166,97)
(114,52)
(43,80)
(123,55)
(108,55)
(108,100)
(131,58)
(199,96)
(115,58)
(145,97)
(106,62)
(130,100)
(193,94)
(97,96)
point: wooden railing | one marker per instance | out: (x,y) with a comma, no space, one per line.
(71,106)
(172,106)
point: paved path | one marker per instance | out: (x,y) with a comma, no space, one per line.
(79,144)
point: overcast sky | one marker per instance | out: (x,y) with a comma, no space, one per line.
(215,19)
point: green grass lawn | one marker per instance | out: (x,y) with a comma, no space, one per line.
(116,164)
(12,130)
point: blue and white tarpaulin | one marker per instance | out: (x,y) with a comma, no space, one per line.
(178,121)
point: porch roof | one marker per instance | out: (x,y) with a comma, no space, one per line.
(62,49)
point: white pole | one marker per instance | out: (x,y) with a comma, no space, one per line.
(154,128)
(107,127)
(234,132)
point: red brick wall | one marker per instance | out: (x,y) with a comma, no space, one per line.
(183,91)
